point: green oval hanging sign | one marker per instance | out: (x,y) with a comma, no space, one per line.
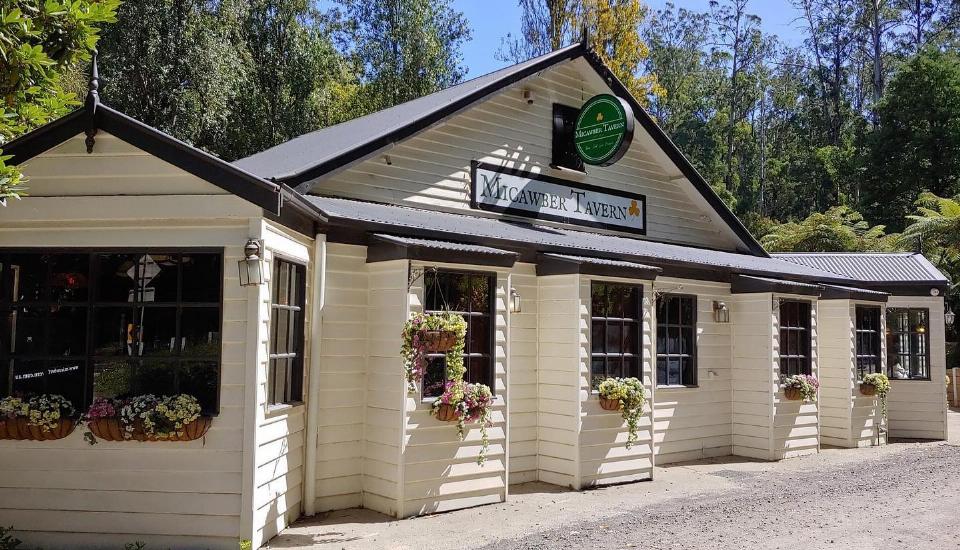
(603,130)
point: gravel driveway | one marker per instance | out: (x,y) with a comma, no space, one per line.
(903,500)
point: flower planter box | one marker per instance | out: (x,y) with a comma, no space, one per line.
(792,394)
(868,389)
(20,429)
(447,413)
(439,341)
(609,404)
(110,429)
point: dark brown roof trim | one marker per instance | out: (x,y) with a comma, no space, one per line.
(564,264)
(382,248)
(837,292)
(746,284)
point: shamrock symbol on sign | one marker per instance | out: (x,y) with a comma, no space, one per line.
(634,210)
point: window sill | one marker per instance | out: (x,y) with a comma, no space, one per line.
(909,379)
(678,387)
(281,409)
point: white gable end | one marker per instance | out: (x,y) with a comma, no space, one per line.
(431,169)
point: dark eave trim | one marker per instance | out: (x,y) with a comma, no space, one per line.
(381,249)
(303,180)
(834,292)
(46,137)
(745,284)
(671,149)
(558,264)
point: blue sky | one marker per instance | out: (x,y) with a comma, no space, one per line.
(491,20)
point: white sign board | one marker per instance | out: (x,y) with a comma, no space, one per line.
(542,197)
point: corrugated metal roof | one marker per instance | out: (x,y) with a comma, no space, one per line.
(310,150)
(444,245)
(872,267)
(602,261)
(392,218)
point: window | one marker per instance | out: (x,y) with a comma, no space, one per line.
(867,340)
(795,338)
(676,340)
(908,348)
(472,296)
(616,315)
(88,324)
(285,375)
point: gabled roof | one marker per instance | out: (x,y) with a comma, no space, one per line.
(96,116)
(871,267)
(301,161)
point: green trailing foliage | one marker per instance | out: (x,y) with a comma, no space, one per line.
(631,395)
(7,540)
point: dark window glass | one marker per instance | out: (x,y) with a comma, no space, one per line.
(795,338)
(285,376)
(908,346)
(867,340)
(616,322)
(470,295)
(676,340)
(91,323)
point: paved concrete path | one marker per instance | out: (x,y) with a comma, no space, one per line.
(902,495)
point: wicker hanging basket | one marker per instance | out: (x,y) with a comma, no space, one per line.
(438,341)
(609,404)
(110,429)
(792,394)
(446,413)
(20,429)
(868,389)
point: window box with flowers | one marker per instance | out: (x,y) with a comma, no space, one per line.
(427,333)
(464,403)
(40,418)
(628,396)
(147,418)
(800,387)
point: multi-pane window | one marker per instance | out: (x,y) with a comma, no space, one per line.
(908,348)
(795,338)
(472,296)
(867,340)
(285,375)
(89,323)
(616,315)
(676,340)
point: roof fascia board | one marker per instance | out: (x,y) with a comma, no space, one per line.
(678,158)
(548,264)
(831,292)
(383,250)
(46,137)
(304,181)
(752,285)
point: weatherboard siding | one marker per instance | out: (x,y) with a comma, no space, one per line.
(602,451)
(522,378)
(69,493)
(917,408)
(439,472)
(796,424)
(279,453)
(836,371)
(753,378)
(432,168)
(697,422)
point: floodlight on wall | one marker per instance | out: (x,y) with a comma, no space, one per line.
(251,266)
(515,305)
(721,313)
(949,317)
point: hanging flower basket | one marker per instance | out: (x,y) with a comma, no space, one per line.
(609,404)
(446,413)
(43,417)
(792,394)
(147,418)
(868,389)
(438,341)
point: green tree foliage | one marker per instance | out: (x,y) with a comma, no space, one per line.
(839,229)
(937,226)
(917,146)
(405,48)
(40,42)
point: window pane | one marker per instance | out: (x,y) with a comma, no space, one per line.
(280,329)
(476,293)
(598,300)
(598,372)
(662,370)
(631,303)
(25,281)
(114,332)
(631,367)
(29,377)
(688,373)
(478,370)
(67,378)
(7,330)
(201,380)
(69,277)
(479,335)
(201,277)
(614,337)
(434,377)
(157,332)
(614,367)
(156,377)
(112,378)
(687,307)
(67,330)
(200,331)
(116,274)
(673,340)
(29,336)
(158,276)
(631,338)
(597,336)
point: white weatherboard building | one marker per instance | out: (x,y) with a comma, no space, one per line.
(124,259)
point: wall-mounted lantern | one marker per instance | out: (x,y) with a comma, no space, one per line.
(949,317)
(251,266)
(721,313)
(515,306)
